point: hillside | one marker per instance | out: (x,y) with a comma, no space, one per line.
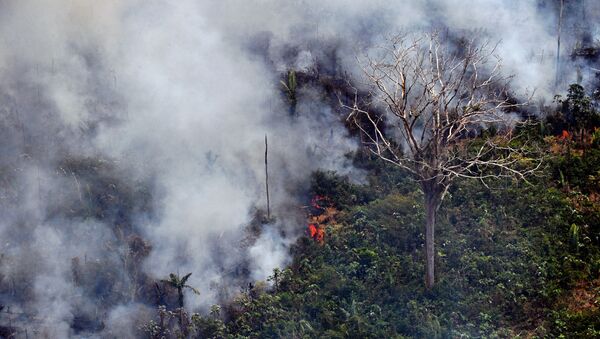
(299,169)
(516,260)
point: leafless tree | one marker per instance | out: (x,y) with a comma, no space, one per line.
(423,108)
(558,33)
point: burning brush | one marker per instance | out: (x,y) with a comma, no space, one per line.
(320,212)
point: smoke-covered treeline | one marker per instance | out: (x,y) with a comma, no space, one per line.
(132,136)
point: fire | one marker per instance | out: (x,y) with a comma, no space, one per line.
(320,235)
(316,232)
(320,213)
(312,230)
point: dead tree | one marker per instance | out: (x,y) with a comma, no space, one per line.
(558,33)
(426,106)
(267,179)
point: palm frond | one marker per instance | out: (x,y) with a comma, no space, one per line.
(193,289)
(185,278)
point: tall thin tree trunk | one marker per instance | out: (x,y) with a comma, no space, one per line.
(180,297)
(431,211)
(181,322)
(558,33)
(433,191)
(267,178)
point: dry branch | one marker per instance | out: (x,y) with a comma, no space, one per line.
(426,104)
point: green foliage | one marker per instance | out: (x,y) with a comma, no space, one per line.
(208,327)
(509,259)
(577,108)
(577,112)
(180,284)
(574,233)
(338,189)
(569,324)
(290,86)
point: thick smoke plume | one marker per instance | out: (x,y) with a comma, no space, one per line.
(133,137)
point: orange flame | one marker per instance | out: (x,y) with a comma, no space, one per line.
(316,232)
(322,214)
(320,235)
(312,230)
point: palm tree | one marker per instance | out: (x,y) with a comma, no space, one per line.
(180,284)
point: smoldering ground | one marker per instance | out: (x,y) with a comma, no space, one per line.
(133,138)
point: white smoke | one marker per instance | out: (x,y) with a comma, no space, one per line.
(181,94)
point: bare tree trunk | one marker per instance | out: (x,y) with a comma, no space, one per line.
(558,33)
(180,301)
(430,211)
(267,179)
(180,297)
(433,198)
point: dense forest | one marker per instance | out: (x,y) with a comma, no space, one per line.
(300,169)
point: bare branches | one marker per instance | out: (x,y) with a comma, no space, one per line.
(433,99)
(425,109)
